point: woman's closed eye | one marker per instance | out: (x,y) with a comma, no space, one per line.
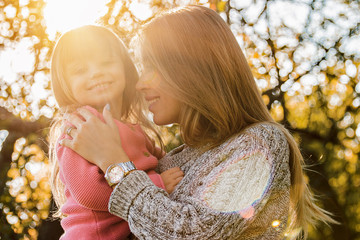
(148,68)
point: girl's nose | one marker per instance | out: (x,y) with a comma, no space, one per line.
(95,74)
(95,70)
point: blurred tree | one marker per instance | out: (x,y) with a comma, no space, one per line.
(24,189)
(305,58)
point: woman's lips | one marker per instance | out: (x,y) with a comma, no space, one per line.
(152,101)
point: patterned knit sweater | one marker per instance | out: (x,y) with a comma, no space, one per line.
(239,190)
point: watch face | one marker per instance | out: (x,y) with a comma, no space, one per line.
(116,174)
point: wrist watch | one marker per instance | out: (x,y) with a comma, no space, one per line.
(116,172)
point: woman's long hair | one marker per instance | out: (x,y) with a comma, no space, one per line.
(203,66)
(89,42)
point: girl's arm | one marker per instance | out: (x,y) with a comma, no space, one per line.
(84,181)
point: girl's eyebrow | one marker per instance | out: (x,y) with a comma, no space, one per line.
(72,66)
(75,63)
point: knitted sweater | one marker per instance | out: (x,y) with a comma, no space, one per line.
(238,190)
(87,192)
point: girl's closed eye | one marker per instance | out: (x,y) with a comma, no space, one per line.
(77,69)
(107,63)
(110,60)
(147,72)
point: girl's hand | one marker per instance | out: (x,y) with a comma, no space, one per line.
(171,178)
(94,140)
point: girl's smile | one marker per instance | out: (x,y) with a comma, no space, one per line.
(97,82)
(100,86)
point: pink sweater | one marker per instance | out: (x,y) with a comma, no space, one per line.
(87,192)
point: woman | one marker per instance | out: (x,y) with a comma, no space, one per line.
(243,174)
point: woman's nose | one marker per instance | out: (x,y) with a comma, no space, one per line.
(140,85)
(144,82)
(148,80)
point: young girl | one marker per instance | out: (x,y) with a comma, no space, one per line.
(91,67)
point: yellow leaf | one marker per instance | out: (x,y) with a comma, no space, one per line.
(221,6)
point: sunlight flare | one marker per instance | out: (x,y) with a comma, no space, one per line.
(64,15)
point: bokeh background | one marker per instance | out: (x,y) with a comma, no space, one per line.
(305,57)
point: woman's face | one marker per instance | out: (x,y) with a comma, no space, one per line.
(165,108)
(96,82)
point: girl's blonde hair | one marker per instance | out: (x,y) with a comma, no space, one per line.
(83,43)
(203,66)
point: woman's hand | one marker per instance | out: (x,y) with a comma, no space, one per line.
(171,178)
(94,140)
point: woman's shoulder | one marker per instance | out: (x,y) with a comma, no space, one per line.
(267,130)
(265,133)
(176,150)
(268,139)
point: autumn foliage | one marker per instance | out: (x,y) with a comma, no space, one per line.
(305,58)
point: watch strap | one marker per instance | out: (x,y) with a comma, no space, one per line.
(127,167)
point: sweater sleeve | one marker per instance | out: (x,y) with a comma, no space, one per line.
(152,214)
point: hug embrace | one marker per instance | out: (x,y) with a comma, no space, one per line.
(239,174)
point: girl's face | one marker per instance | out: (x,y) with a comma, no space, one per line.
(96,82)
(165,108)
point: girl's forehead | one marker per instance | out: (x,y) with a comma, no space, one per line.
(89,48)
(89,53)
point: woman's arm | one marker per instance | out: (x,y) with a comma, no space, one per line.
(86,181)
(97,141)
(244,198)
(151,214)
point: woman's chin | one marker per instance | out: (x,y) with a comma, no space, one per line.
(159,121)
(163,121)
